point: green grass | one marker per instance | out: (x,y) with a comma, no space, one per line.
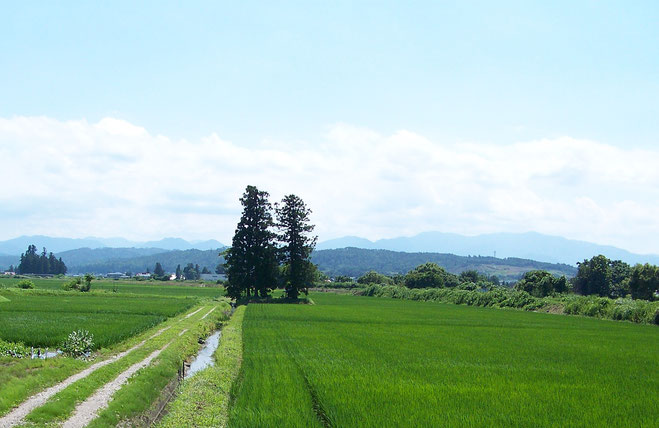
(21,378)
(356,361)
(45,318)
(161,288)
(204,398)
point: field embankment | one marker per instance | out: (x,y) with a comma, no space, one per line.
(356,362)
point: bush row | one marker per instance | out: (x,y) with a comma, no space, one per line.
(639,311)
(16,350)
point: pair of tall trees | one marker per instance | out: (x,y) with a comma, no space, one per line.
(257,251)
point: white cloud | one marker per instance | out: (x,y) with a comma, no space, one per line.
(74,178)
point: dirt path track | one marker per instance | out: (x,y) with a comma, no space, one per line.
(88,410)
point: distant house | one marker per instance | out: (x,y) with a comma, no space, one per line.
(9,273)
(116,275)
(143,275)
(213,277)
(172,277)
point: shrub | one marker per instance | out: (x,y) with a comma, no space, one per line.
(25,284)
(372,277)
(78,284)
(16,350)
(79,344)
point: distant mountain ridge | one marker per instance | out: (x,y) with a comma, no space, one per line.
(357,261)
(92,261)
(531,245)
(17,246)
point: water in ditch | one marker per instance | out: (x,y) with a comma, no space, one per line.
(205,357)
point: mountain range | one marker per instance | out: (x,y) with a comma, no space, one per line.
(18,245)
(531,245)
(119,254)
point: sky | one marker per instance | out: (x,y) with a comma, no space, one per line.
(388,118)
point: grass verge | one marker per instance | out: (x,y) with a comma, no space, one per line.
(203,400)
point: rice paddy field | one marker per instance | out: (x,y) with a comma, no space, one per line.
(42,318)
(371,362)
(160,288)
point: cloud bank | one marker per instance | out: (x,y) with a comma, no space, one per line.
(114,178)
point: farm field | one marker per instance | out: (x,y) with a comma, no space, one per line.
(42,318)
(161,288)
(356,361)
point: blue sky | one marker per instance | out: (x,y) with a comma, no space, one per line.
(486,71)
(330,83)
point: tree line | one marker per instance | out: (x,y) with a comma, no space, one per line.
(40,264)
(270,247)
(597,276)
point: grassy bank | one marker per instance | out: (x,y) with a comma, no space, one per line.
(203,399)
(638,311)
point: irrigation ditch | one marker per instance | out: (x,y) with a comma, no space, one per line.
(202,360)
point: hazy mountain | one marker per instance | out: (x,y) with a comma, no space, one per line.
(6,261)
(168,259)
(210,244)
(84,256)
(18,245)
(345,242)
(531,245)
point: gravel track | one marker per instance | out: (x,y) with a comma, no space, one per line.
(88,410)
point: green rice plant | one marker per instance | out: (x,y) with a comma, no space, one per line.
(358,362)
(156,288)
(44,318)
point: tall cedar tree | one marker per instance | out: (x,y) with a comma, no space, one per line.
(158,270)
(293,224)
(251,262)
